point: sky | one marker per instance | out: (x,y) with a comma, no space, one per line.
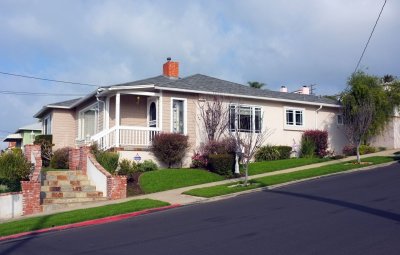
(291,43)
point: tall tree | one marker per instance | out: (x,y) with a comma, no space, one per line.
(256,84)
(368,107)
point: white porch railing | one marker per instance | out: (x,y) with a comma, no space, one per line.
(125,136)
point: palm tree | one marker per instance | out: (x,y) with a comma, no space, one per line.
(256,84)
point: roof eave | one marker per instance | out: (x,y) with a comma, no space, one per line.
(248,96)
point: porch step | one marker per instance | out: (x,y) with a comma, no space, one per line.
(67,189)
(71,194)
(72,200)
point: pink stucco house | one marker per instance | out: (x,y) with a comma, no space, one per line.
(127,115)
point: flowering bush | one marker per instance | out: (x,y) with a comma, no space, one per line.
(320,140)
(199,161)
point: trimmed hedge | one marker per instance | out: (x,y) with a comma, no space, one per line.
(222,164)
(268,152)
(170,148)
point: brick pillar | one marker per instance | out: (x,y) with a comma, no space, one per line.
(74,159)
(116,187)
(30,197)
(33,154)
(84,152)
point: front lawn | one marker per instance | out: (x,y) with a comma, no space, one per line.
(276,165)
(282,178)
(166,179)
(80,215)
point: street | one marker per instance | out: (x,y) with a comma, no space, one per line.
(356,213)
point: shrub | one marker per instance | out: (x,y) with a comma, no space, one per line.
(46,144)
(222,164)
(60,158)
(14,167)
(128,168)
(199,161)
(349,150)
(320,140)
(366,149)
(147,165)
(170,148)
(266,153)
(10,185)
(108,160)
(307,149)
(284,151)
(225,146)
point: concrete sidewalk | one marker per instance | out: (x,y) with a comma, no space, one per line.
(175,196)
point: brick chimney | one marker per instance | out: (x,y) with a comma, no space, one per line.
(171,69)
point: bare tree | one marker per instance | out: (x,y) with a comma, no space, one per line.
(247,144)
(214,117)
(358,119)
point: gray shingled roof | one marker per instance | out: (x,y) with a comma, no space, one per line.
(67,103)
(204,83)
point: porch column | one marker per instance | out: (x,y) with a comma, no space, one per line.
(117,118)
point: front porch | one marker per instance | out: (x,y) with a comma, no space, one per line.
(128,119)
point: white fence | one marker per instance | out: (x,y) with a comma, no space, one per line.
(10,205)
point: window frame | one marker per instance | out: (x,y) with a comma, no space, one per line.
(184,114)
(47,129)
(294,126)
(337,120)
(81,123)
(252,118)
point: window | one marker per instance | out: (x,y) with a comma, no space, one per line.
(47,125)
(179,116)
(339,119)
(88,118)
(245,118)
(152,115)
(294,117)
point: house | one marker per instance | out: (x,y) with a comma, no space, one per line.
(126,116)
(24,135)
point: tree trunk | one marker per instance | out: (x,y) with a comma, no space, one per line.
(237,164)
(246,175)
(358,153)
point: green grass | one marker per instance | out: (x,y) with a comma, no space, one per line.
(64,218)
(166,179)
(275,165)
(282,178)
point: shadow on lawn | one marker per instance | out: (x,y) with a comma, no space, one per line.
(19,243)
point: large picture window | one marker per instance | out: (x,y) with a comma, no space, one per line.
(294,117)
(245,118)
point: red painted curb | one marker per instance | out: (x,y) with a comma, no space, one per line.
(90,222)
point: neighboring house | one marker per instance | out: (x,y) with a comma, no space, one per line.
(24,135)
(128,115)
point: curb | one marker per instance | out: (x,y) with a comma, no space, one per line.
(89,222)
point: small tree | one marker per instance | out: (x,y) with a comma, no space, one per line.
(256,84)
(214,117)
(170,148)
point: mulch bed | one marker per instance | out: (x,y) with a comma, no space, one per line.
(133,187)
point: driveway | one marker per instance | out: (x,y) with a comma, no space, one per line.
(357,213)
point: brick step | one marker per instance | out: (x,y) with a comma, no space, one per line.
(65,177)
(68,188)
(47,201)
(62,183)
(65,172)
(70,194)
(55,207)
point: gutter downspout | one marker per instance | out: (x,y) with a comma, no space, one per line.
(316,116)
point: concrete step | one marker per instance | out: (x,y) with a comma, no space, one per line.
(47,201)
(68,188)
(55,207)
(65,172)
(65,177)
(65,182)
(70,194)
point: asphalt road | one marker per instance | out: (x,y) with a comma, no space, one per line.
(356,213)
